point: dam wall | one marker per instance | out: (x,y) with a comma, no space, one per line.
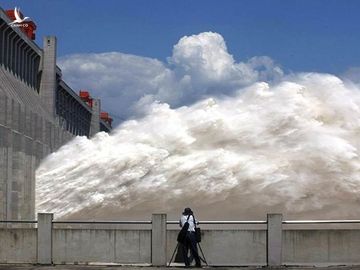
(153,243)
(39,113)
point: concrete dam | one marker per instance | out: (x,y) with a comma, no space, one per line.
(256,163)
(39,113)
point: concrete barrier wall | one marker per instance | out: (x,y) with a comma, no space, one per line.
(18,246)
(101,245)
(228,247)
(107,243)
(321,247)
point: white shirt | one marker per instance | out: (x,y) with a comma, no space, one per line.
(183,219)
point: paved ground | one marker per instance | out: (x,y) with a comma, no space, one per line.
(113,267)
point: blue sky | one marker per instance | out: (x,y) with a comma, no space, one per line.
(306,35)
(136,52)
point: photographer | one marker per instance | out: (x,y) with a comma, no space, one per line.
(190,239)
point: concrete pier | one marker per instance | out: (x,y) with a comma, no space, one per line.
(274,240)
(158,240)
(48,83)
(44,238)
(95,117)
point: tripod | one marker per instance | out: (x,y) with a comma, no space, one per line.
(203,259)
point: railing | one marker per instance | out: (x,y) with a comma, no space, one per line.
(235,222)
(18,221)
(206,222)
(321,221)
(99,222)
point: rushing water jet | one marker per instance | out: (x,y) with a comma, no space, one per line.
(292,147)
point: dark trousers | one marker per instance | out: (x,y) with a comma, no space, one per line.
(190,243)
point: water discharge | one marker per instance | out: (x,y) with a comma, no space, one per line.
(292,148)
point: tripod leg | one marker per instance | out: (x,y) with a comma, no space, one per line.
(173,254)
(202,253)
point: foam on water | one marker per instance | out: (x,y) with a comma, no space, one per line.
(292,147)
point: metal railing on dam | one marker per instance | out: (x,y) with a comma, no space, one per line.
(272,242)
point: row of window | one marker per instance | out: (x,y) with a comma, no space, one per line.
(75,118)
(18,57)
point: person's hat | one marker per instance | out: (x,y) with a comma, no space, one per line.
(187,211)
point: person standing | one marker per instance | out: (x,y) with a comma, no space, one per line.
(190,239)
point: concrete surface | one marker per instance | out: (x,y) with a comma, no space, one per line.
(321,246)
(97,245)
(18,246)
(274,239)
(124,267)
(158,239)
(44,238)
(95,117)
(228,247)
(48,83)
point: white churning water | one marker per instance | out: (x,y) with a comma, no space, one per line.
(292,148)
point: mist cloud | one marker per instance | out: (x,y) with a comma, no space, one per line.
(291,147)
(251,140)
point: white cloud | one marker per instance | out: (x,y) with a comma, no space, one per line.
(118,79)
(199,66)
(204,56)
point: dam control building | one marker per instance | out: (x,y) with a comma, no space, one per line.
(39,112)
